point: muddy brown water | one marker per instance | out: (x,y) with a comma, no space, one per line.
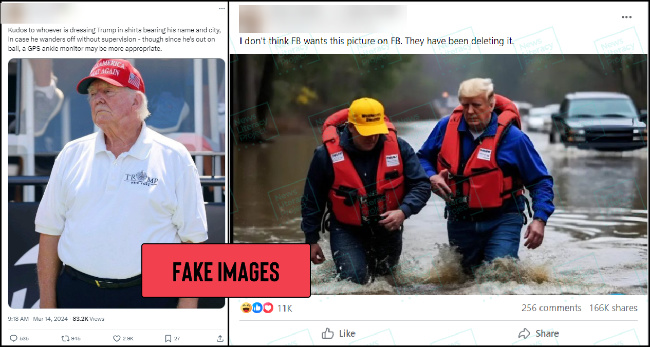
(595,242)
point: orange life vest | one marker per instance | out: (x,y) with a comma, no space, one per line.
(481,184)
(351,203)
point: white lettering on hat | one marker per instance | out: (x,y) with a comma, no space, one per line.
(106,71)
(109,63)
(484,154)
(392,160)
(134,80)
(337,157)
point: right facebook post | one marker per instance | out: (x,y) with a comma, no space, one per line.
(464,173)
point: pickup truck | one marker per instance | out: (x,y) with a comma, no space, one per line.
(603,121)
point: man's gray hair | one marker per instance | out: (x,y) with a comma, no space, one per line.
(143,111)
(476,86)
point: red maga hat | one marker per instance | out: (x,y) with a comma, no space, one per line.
(117,72)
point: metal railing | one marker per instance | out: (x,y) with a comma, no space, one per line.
(27,181)
(206,181)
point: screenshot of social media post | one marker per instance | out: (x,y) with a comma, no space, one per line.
(460,179)
(114,139)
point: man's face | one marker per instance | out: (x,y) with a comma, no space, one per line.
(362,143)
(477,111)
(111,105)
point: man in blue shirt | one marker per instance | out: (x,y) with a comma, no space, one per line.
(479,164)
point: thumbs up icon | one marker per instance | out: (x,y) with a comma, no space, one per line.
(328,334)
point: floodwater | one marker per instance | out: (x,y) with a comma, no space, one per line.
(596,242)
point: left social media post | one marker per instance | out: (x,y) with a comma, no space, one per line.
(116,138)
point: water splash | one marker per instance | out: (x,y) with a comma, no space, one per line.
(509,269)
(440,272)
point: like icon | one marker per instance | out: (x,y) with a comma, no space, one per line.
(268,307)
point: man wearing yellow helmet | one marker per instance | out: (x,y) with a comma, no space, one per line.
(371,181)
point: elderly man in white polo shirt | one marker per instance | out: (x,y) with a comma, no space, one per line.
(110,192)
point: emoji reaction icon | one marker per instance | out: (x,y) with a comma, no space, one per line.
(245,307)
(257,307)
(268,307)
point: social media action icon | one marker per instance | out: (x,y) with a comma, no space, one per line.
(257,307)
(245,307)
(268,307)
(327,334)
(524,333)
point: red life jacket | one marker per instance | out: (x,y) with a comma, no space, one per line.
(350,201)
(481,184)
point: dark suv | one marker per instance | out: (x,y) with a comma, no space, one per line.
(599,120)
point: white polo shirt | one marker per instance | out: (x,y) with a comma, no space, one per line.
(105,208)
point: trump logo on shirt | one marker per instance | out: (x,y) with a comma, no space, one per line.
(142,178)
